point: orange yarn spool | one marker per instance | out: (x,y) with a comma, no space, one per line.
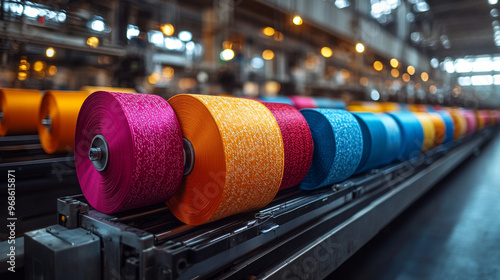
(439,127)
(429,130)
(57,119)
(19,111)
(459,122)
(92,89)
(360,106)
(480,120)
(238,157)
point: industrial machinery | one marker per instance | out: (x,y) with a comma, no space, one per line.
(300,235)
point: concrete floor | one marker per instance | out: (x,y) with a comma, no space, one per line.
(452,232)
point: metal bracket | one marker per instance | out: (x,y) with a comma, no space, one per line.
(69,211)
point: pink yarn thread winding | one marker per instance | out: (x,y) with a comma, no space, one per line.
(303,102)
(297,143)
(470,118)
(145,163)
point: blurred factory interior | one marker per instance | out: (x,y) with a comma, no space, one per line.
(423,52)
(379,56)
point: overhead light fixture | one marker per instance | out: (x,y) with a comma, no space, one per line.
(257,62)
(411,70)
(434,63)
(227,54)
(494,12)
(421,7)
(132,31)
(185,36)
(375,95)
(297,20)
(406,77)
(268,54)
(326,52)
(395,73)
(93,42)
(268,31)
(492,2)
(360,48)
(424,76)
(50,52)
(167,29)
(378,66)
(394,63)
(97,25)
(341,4)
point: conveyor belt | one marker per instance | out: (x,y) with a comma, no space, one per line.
(277,241)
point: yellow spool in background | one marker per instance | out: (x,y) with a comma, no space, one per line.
(439,127)
(459,122)
(429,130)
(416,108)
(20,111)
(480,120)
(92,89)
(363,106)
(390,106)
(62,108)
(239,157)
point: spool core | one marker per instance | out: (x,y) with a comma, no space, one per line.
(99,152)
(47,122)
(188,156)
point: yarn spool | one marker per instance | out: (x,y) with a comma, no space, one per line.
(303,102)
(338,147)
(374,141)
(238,157)
(19,111)
(429,131)
(297,143)
(450,128)
(393,144)
(128,150)
(57,120)
(412,134)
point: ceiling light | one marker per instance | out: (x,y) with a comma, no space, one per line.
(394,62)
(494,12)
(97,25)
(227,54)
(421,7)
(185,36)
(297,20)
(492,2)
(326,52)
(342,4)
(360,48)
(434,63)
(167,29)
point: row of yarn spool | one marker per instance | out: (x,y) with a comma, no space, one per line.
(305,102)
(210,157)
(51,114)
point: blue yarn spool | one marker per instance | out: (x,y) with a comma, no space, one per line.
(338,147)
(449,126)
(412,134)
(374,140)
(393,144)
(325,102)
(277,99)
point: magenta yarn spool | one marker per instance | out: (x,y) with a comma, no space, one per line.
(128,150)
(486,117)
(471,121)
(297,143)
(303,102)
